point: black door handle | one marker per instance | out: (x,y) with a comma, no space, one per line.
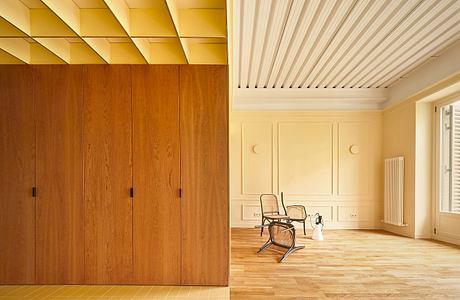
(131,192)
(34,192)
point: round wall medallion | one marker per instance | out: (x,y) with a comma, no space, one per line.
(354,149)
(257,149)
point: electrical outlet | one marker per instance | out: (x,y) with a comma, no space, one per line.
(256,214)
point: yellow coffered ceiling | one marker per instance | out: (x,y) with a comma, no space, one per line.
(113,31)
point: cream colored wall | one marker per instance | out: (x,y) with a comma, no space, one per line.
(407,131)
(423,167)
(306,155)
(399,140)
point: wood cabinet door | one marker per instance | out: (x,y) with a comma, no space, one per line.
(60,211)
(17,167)
(204,172)
(107,153)
(156,169)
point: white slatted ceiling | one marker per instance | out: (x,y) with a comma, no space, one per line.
(288,33)
(339,43)
(455,159)
(420,34)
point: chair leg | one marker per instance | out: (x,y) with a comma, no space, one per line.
(304,231)
(265,246)
(289,251)
(262,228)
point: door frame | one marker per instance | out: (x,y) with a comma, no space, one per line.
(437,231)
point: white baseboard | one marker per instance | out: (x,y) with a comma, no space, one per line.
(328,225)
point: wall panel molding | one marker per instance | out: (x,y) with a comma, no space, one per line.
(303,145)
(288,131)
(256,157)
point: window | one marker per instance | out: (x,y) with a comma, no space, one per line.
(450,158)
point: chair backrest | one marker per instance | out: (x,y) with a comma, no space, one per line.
(269,204)
(297,212)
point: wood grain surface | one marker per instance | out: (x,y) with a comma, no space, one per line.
(17,165)
(107,151)
(156,166)
(204,167)
(60,210)
(348,264)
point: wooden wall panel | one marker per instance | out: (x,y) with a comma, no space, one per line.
(60,211)
(17,166)
(204,167)
(156,166)
(107,174)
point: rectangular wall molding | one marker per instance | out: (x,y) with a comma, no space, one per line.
(328,161)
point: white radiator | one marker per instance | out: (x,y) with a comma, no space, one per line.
(394,191)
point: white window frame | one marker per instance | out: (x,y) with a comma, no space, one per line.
(437,153)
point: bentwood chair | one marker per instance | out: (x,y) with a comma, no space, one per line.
(270,210)
(296,213)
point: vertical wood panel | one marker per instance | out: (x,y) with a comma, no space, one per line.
(204,171)
(17,164)
(156,166)
(60,210)
(107,174)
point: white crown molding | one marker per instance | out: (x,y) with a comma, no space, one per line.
(309,99)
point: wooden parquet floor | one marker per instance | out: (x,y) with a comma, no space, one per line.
(349,264)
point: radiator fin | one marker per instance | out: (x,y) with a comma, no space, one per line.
(394,191)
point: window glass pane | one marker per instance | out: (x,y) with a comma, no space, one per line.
(450,157)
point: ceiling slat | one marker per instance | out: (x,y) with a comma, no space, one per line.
(247,19)
(443,37)
(345,32)
(370,26)
(295,12)
(279,13)
(427,35)
(312,38)
(399,39)
(337,44)
(264,8)
(361,51)
(298,41)
(336,61)
(326,38)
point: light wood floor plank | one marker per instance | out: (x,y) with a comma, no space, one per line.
(355,264)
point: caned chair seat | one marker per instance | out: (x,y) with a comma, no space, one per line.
(276,217)
(281,235)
